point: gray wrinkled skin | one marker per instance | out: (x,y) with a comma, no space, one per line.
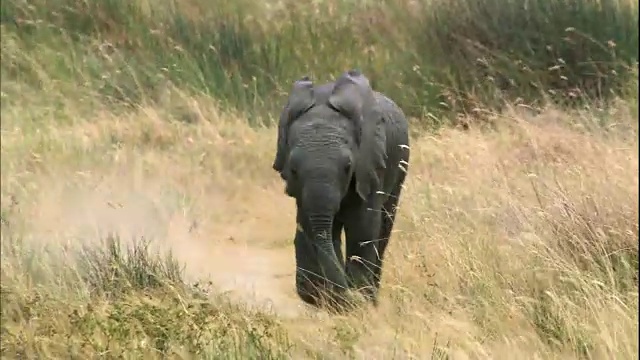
(343,151)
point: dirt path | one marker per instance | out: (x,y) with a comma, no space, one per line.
(243,248)
(252,275)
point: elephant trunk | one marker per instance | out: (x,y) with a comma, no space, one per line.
(321,226)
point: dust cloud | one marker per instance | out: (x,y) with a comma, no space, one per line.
(219,245)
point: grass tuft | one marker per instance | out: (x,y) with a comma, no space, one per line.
(110,271)
(127,303)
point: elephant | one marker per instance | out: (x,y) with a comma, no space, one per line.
(343,153)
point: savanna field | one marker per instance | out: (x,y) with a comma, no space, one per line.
(141,218)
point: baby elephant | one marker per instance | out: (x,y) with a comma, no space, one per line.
(343,151)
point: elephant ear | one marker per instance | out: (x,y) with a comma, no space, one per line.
(353,97)
(301,99)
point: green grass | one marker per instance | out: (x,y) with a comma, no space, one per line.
(433,57)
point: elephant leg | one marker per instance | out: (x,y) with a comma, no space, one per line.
(389,210)
(362,228)
(309,280)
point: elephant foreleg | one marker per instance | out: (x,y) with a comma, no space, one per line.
(362,229)
(309,281)
(389,211)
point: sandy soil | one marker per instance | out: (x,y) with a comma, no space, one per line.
(243,251)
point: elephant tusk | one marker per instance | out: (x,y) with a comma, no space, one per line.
(403,146)
(299,227)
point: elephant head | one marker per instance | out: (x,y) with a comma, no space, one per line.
(330,137)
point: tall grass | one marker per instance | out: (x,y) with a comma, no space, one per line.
(520,242)
(433,57)
(138,117)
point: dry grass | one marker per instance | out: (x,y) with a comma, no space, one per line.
(518,242)
(515,243)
